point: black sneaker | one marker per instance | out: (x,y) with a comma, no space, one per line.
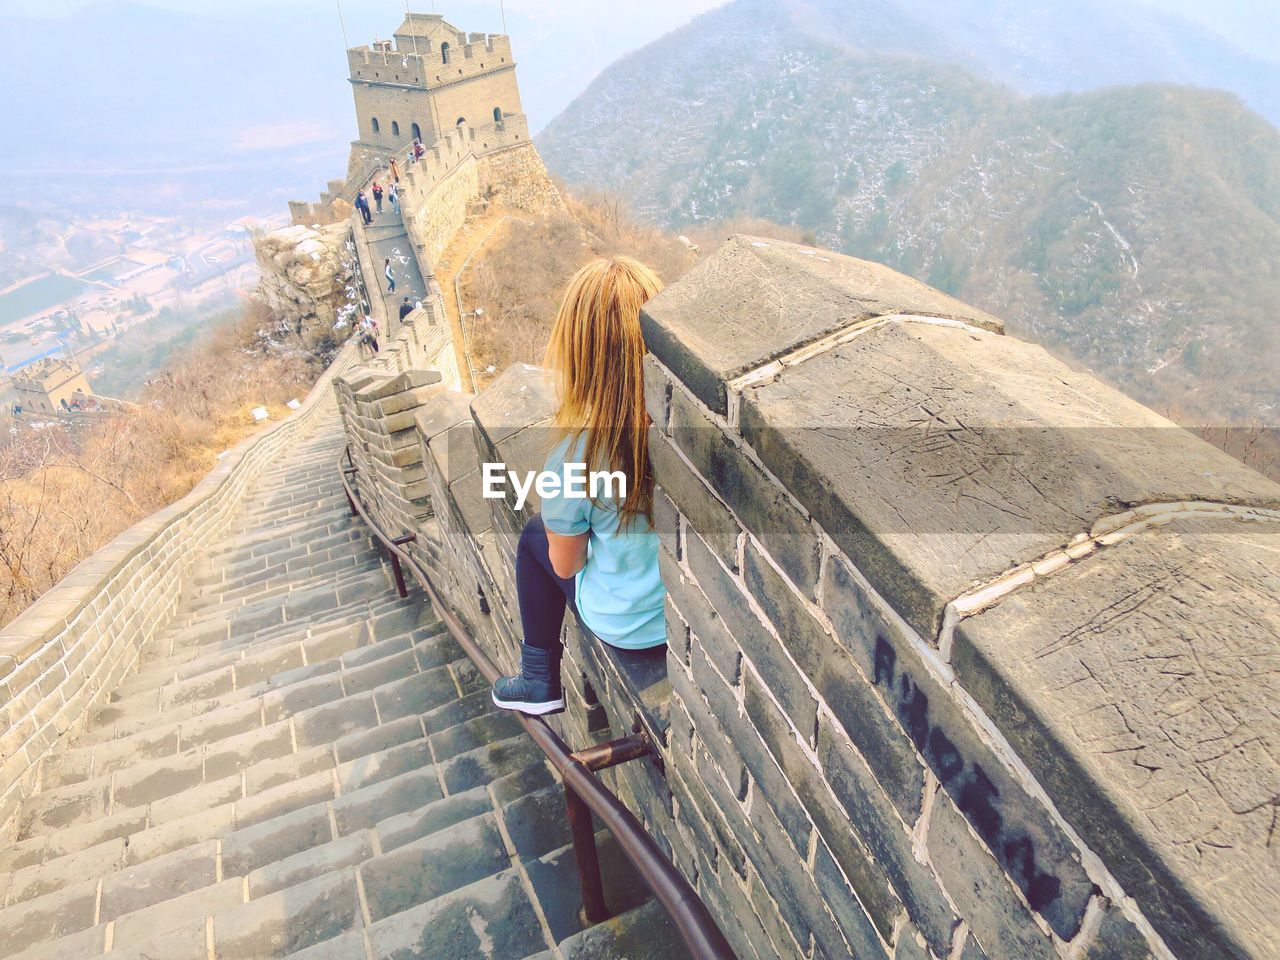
(536,689)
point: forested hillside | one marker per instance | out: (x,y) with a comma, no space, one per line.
(1134,229)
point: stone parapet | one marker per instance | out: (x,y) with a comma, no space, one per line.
(964,616)
(968,653)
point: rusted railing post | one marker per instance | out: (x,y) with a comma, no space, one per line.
(598,757)
(594,909)
(395,563)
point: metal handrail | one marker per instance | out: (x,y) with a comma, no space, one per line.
(693,921)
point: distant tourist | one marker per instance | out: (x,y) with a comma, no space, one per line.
(394,196)
(391,277)
(377,196)
(406,308)
(418,148)
(395,172)
(362,204)
(596,555)
(369,333)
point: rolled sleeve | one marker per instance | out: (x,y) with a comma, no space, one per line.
(566,516)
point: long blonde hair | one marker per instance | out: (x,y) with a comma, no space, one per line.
(597,353)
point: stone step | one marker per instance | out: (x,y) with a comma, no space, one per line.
(205,718)
(304,601)
(80,763)
(408,843)
(37,864)
(313,713)
(643,933)
(273,659)
(375,789)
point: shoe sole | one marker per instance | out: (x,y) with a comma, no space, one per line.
(533,709)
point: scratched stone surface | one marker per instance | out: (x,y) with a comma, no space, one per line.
(939,457)
(1142,686)
(757,298)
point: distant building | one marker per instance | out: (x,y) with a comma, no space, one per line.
(433,79)
(44,385)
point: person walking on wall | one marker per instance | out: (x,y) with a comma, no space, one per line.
(377,196)
(395,171)
(595,555)
(362,204)
(368,333)
(391,277)
(394,196)
(406,308)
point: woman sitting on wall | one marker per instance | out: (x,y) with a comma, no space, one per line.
(597,556)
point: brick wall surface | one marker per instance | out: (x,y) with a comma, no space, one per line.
(925,585)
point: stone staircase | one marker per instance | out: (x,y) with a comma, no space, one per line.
(304,766)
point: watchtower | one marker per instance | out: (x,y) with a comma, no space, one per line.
(431,79)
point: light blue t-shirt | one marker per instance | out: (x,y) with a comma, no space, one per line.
(619,591)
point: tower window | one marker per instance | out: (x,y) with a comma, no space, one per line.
(444,51)
(462,122)
(417,132)
(497,114)
(395,128)
(374,122)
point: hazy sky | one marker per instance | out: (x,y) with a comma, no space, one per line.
(252,95)
(1253,24)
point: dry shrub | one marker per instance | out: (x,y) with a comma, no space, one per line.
(519,279)
(66,490)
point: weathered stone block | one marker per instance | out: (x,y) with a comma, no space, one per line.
(1117,939)
(708,515)
(1029,845)
(980,888)
(657,393)
(849,913)
(829,667)
(871,814)
(711,633)
(756,642)
(937,456)
(756,499)
(755,299)
(1122,682)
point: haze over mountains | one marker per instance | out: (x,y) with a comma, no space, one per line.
(1131,228)
(235,107)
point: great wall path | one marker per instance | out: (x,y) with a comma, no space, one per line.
(304,766)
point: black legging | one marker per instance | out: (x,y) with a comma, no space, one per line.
(543,595)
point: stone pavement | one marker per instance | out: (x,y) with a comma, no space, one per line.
(304,766)
(386,237)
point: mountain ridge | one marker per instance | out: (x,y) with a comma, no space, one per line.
(1127,228)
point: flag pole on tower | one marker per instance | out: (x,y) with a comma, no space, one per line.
(345,42)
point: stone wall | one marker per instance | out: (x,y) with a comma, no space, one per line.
(516,177)
(72,646)
(969,655)
(492,162)
(434,212)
